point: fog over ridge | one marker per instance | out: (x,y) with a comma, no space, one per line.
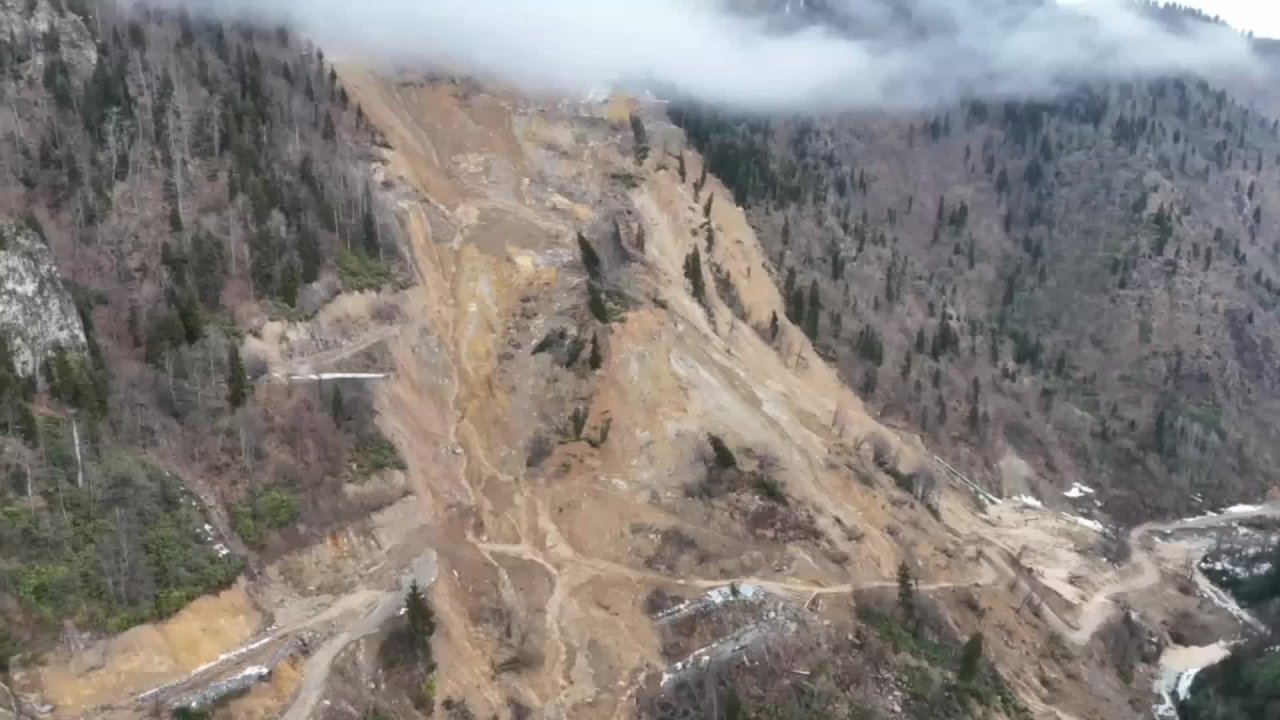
(705,50)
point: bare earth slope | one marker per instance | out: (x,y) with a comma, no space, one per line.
(588,550)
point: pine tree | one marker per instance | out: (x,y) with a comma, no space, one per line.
(970,659)
(596,359)
(641,139)
(590,259)
(421,621)
(870,381)
(974,400)
(693,273)
(369,227)
(733,706)
(191,319)
(237,383)
(906,593)
(812,312)
(309,254)
(723,455)
(289,284)
(337,409)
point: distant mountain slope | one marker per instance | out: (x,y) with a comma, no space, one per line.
(1089,283)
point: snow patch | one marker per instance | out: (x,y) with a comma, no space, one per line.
(1078,491)
(1220,598)
(1029,501)
(1086,522)
(713,598)
(1242,509)
(232,655)
(254,671)
(1225,566)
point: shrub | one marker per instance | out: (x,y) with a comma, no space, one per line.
(724,458)
(278,508)
(263,511)
(590,259)
(8,649)
(770,490)
(375,453)
(361,272)
(596,302)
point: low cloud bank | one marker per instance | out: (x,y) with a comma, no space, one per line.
(706,50)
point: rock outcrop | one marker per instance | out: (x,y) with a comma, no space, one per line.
(37,312)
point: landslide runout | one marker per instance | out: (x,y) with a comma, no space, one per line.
(495,189)
(498,187)
(503,187)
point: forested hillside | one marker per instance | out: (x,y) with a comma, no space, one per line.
(1076,290)
(175,182)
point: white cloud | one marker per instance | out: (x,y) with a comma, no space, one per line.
(698,48)
(1262,17)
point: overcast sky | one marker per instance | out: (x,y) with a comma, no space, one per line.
(1260,16)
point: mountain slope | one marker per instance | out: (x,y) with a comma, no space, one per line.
(167,184)
(482,404)
(1086,285)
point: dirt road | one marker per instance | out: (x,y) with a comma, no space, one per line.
(316,670)
(371,608)
(1098,609)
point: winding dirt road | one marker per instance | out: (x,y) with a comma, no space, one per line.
(1098,609)
(316,670)
(371,608)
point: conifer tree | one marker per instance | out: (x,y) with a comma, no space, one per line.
(970,659)
(237,383)
(812,312)
(906,593)
(421,621)
(693,273)
(596,359)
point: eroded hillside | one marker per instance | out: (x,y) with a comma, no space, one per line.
(537,439)
(593,310)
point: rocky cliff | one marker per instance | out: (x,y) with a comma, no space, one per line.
(37,313)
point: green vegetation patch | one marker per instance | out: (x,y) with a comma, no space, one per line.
(362,272)
(120,544)
(265,510)
(375,453)
(903,639)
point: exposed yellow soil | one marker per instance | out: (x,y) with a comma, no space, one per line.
(152,654)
